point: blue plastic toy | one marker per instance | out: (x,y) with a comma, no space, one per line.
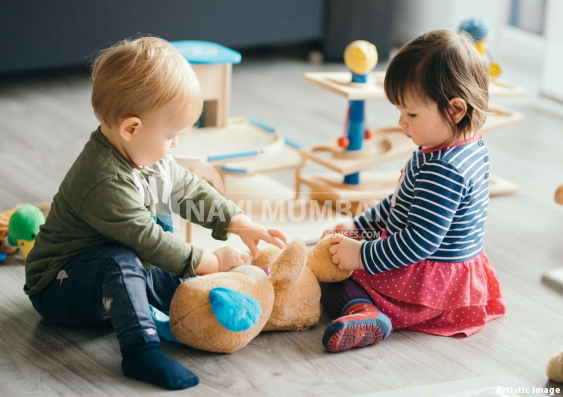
(206,52)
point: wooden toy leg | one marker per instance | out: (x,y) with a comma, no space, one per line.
(298,181)
(189,232)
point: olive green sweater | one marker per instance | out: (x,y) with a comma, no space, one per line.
(104,199)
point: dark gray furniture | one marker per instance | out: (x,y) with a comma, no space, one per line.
(349,20)
(39,34)
(36,34)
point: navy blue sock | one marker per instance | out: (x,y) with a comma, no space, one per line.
(149,364)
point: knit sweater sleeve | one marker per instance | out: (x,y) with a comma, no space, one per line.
(438,190)
(113,207)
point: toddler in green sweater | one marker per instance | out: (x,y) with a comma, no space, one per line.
(106,250)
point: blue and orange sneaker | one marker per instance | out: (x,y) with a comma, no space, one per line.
(361,325)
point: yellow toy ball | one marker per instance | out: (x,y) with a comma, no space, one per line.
(494,69)
(360,56)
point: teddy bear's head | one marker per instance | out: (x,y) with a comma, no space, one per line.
(221,312)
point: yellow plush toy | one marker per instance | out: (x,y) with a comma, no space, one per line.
(223,312)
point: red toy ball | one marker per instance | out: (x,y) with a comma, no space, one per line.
(343,142)
(369,134)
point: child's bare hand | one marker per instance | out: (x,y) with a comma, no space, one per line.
(346,229)
(346,253)
(251,233)
(229,257)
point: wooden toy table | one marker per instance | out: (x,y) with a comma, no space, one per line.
(339,83)
(387,143)
(240,139)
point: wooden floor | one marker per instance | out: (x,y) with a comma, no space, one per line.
(46,119)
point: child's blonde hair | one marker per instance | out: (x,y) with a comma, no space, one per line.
(134,78)
(438,66)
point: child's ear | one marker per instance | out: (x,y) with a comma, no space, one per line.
(129,127)
(458,109)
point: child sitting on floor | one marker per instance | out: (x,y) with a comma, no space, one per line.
(428,271)
(106,250)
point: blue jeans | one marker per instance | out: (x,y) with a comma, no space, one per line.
(107,286)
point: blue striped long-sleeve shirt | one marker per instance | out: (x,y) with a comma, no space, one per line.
(437,212)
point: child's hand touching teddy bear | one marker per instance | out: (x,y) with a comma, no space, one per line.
(251,233)
(346,245)
(346,252)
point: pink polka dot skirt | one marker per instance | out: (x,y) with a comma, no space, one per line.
(441,298)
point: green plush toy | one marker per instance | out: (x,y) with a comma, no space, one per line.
(18,229)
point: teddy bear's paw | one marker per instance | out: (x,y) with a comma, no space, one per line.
(320,262)
(234,310)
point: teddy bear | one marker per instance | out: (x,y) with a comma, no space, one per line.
(223,312)
(555,368)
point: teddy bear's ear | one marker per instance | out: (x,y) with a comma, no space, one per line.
(234,310)
(289,265)
(267,256)
(320,262)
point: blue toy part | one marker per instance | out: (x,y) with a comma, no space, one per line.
(165,221)
(356,130)
(162,323)
(356,125)
(234,170)
(359,78)
(206,52)
(239,170)
(293,143)
(261,124)
(233,155)
(352,179)
(235,311)
(3,256)
(478,28)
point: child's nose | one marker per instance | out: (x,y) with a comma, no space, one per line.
(403,123)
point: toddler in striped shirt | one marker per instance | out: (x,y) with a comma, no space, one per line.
(418,255)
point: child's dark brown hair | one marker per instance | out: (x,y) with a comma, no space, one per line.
(436,67)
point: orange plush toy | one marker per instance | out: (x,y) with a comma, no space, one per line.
(223,312)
